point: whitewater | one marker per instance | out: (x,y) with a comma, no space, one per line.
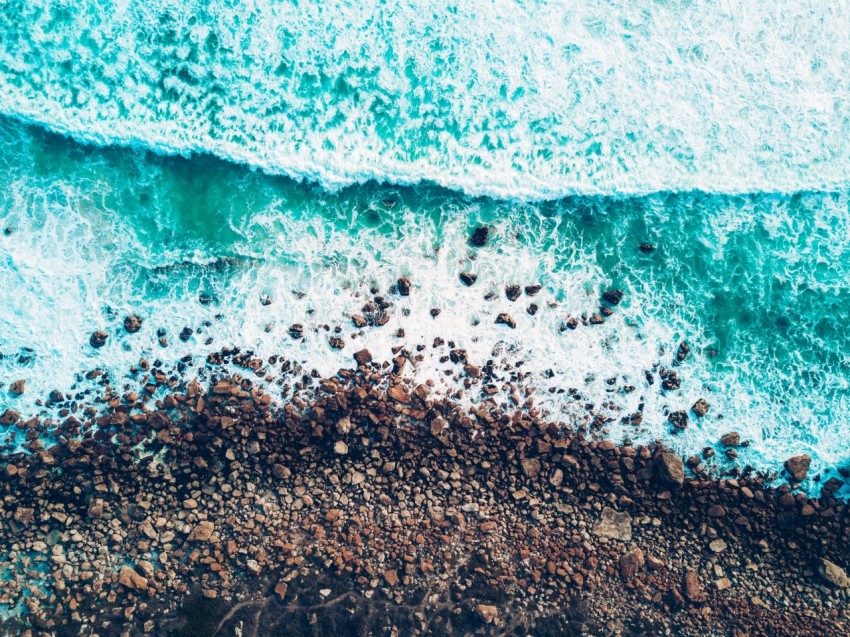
(156,153)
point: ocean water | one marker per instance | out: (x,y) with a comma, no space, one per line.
(154,152)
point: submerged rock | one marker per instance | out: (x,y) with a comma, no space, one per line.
(480,236)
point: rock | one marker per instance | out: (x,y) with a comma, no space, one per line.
(646,248)
(732,439)
(363,357)
(128,577)
(280,590)
(24,515)
(506,319)
(833,573)
(438,426)
(9,417)
(340,448)
(132,324)
(693,588)
(336,342)
(458,356)
(343,426)
(186,334)
(655,563)
(716,511)
(391,576)
(717,546)
(296,331)
(612,296)
(557,478)
(596,319)
(722,584)
(398,393)
(480,236)
(700,407)
(512,292)
(17,387)
(682,352)
(95,510)
(678,419)
(358,320)
(467,278)
(530,467)
(631,563)
(669,467)
(202,531)
(488,613)
(98,338)
(403,286)
(614,525)
(532,290)
(670,379)
(798,466)
(280,472)
(56,396)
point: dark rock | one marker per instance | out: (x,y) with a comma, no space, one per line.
(17,387)
(56,396)
(693,588)
(467,278)
(296,331)
(678,419)
(571,323)
(457,355)
(532,290)
(512,292)
(669,467)
(132,324)
(186,333)
(596,319)
(403,286)
(506,319)
(98,338)
(612,296)
(700,407)
(480,236)
(532,309)
(265,300)
(646,248)
(336,342)
(732,439)
(363,357)
(670,379)
(682,352)
(9,417)
(631,563)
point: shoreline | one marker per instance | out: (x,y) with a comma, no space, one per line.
(394,497)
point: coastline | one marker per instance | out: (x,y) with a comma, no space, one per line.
(156,508)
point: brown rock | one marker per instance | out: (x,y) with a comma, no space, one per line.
(202,531)
(132,324)
(480,236)
(678,419)
(506,319)
(398,393)
(363,357)
(9,417)
(700,407)
(631,563)
(693,588)
(98,338)
(438,426)
(488,613)
(669,467)
(358,320)
(95,510)
(391,576)
(280,590)
(530,467)
(833,574)
(17,387)
(732,439)
(612,296)
(716,511)
(128,577)
(798,466)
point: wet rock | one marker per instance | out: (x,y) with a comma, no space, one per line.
(532,309)
(669,468)
(532,290)
(682,352)
(480,236)
(631,563)
(506,319)
(403,286)
(833,573)
(132,324)
(128,577)
(186,334)
(798,466)
(512,292)
(646,248)
(363,357)
(614,525)
(56,396)
(571,323)
(336,342)
(467,278)
(700,407)
(296,331)
(678,419)
(693,588)
(612,296)
(458,356)
(98,338)
(358,320)
(732,439)
(9,417)
(670,379)
(399,394)
(596,319)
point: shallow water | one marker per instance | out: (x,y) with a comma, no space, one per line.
(381,134)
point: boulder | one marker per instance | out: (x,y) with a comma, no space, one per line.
(612,296)
(363,357)
(798,466)
(98,338)
(700,407)
(506,319)
(614,525)
(480,236)
(17,387)
(128,577)
(132,324)
(679,419)
(467,278)
(512,292)
(530,467)
(732,439)
(631,563)
(488,613)
(403,286)
(202,531)
(833,574)
(669,468)
(693,588)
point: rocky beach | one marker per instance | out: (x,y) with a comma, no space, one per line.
(236,495)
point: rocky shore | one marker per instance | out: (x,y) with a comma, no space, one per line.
(200,502)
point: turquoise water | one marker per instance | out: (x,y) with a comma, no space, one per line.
(154,152)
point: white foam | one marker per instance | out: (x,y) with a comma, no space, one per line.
(515,101)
